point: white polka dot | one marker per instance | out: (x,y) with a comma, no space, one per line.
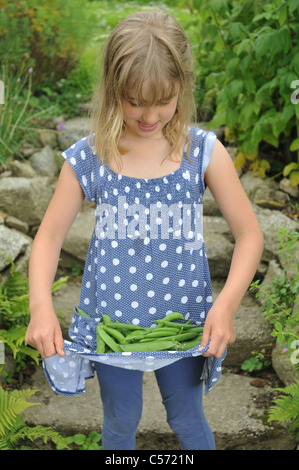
(114,244)
(116,279)
(115,261)
(103,286)
(199,299)
(87,284)
(117,296)
(82,153)
(132,269)
(162,247)
(209,299)
(133,287)
(86,301)
(131,252)
(73,161)
(196,151)
(149,276)
(84,180)
(195,283)
(167,296)
(182,282)
(152,310)
(118,313)
(164,264)
(148,258)
(135,321)
(184,299)
(134,305)
(165,280)
(151,293)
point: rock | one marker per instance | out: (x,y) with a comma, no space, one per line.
(21,169)
(48,137)
(18,224)
(281,363)
(14,245)
(74,130)
(285,185)
(218,244)
(26,199)
(262,193)
(78,238)
(43,162)
(271,221)
(252,331)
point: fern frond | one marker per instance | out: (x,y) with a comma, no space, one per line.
(286,406)
(13,403)
(22,431)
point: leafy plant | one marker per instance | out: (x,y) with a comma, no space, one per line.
(286,407)
(83,442)
(257,361)
(279,303)
(248,56)
(15,315)
(12,426)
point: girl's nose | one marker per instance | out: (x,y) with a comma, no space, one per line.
(149,116)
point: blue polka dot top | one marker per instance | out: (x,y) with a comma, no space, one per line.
(146,258)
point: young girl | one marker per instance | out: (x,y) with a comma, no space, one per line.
(146,170)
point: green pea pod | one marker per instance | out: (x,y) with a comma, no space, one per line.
(81,312)
(189,344)
(115,333)
(133,335)
(107,339)
(161,332)
(172,316)
(124,326)
(106,319)
(174,324)
(101,345)
(147,347)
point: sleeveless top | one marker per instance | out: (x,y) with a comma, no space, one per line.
(146,258)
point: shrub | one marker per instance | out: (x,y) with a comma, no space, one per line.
(248,56)
(52,33)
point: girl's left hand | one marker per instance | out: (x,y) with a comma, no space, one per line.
(219,328)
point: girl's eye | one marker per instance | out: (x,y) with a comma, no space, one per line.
(132,103)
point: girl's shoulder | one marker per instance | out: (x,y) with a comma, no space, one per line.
(82,157)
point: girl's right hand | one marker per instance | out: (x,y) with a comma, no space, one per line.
(45,335)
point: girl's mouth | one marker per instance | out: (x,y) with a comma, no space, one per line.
(147,128)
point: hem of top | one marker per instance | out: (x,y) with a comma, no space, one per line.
(62,392)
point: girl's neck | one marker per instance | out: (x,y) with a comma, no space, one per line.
(146,158)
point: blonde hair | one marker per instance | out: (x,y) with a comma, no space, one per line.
(145,46)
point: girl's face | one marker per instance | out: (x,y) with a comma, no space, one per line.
(146,120)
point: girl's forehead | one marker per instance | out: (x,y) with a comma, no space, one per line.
(149,92)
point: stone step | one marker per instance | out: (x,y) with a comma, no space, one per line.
(234,409)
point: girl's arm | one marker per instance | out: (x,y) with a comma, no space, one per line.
(44,331)
(223,182)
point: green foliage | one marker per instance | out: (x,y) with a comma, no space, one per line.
(15,314)
(82,442)
(17,112)
(258,361)
(52,33)
(286,407)
(279,299)
(248,56)
(279,303)
(12,426)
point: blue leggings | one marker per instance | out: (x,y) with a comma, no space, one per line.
(181,390)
